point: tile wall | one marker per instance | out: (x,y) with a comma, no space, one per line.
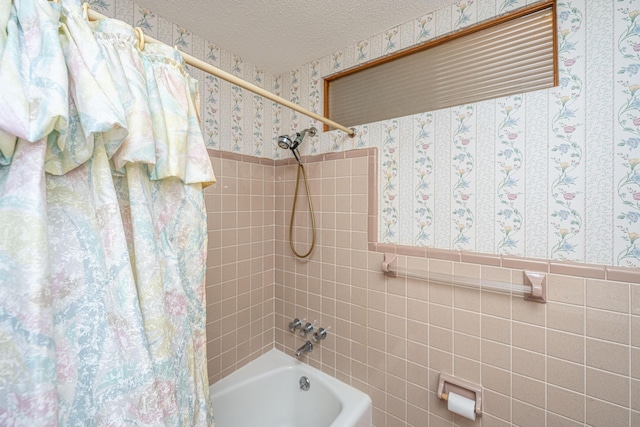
(240,295)
(574,361)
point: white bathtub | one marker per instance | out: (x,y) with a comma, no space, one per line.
(266,393)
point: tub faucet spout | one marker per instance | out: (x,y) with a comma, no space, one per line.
(306,348)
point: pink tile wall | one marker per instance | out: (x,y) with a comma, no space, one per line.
(574,361)
(240,270)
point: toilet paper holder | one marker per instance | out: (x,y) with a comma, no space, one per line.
(448,383)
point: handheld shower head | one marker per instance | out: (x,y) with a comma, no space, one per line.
(284,142)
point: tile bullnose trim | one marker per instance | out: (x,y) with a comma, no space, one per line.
(415,251)
(623,274)
(214,153)
(492,260)
(285,162)
(386,248)
(228,155)
(589,271)
(313,159)
(444,254)
(352,154)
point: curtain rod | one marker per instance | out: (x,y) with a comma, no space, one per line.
(534,288)
(206,67)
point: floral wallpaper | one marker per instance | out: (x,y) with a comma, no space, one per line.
(550,174)
(531,175)
(422,180)
(509,173)
(627,135)
(388,182)
(567,139)
(463,179)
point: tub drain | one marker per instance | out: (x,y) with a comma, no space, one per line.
(305,383)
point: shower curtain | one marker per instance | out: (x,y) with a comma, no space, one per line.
(102,225)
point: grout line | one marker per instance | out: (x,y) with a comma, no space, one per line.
(630,371)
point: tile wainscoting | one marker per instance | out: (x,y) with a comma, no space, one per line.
(573,361)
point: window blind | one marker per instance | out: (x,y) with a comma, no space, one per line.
(514,56)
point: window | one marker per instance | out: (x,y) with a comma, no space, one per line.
(512,54)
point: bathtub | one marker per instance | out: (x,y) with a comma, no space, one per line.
(267,393)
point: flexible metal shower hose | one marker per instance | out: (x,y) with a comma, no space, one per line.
(293,214)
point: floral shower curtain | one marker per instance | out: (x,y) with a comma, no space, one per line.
(102,225)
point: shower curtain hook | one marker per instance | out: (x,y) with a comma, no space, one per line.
(85,10)
(140,37)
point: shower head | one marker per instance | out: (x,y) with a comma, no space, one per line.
(285,142)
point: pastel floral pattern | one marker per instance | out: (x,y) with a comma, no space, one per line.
(145,16)
(510,159)
(212,101)
(182,40)
(423,187)
(389,182)
(258,125)
(237,66)
(314,84)
(362,52)
(95,335)
(294,96)
(508,5)
(463,165)
(315,99)
(276,111)
(567,150)
(237,106)
(424,28)
(336,61)
(361,138)
(258,116)
(212,112)
(391,42)
(628,149)
(236,119)
(463,11)
(628,191)
(335,142)
(213,54)
(99,5)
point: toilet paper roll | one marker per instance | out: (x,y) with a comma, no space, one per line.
(461,406)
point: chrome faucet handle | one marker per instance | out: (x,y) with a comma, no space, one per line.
(295,324)
(307,329)
(319,335)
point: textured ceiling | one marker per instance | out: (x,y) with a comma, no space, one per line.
(279,35)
